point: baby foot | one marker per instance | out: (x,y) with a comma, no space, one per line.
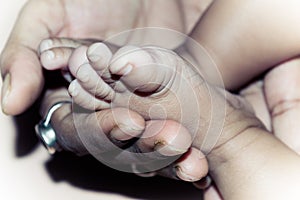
(159,85)
(167,83)
(94,61)
(168,134)
(152,81)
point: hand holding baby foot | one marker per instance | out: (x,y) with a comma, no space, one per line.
(242,135)
(161,86)
(154,82)
(44,19)
(174,137)
(187,168)
(148,76)
(115,80)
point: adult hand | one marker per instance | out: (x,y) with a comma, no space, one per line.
(70,127)
(40,19)
(20,67)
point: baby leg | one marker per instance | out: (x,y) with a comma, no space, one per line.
(245,38)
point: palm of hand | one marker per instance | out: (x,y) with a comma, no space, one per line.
(88,19)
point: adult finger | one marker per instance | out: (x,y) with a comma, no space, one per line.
(64,123)
(20,66)
(190,167)
(283,98)
(94,133)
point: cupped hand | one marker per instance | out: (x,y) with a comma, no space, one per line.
(109,129)
(40,19)
(75,129)
(20,67)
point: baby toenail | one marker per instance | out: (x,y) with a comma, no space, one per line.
(49,55)
(125,70)
(94,58)
(83,74)
(73,89)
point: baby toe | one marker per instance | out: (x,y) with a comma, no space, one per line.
(93,83)
(141,69)
(84,99)
(99,56)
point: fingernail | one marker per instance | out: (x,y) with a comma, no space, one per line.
(6,88)
(184,176)
(126,70)
(122,70)
(126,132)
(46,44)
(118,134)
(73,88)
(94,58)
(167,149)
(133,127)
(49,55)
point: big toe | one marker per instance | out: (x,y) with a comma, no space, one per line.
(146,69)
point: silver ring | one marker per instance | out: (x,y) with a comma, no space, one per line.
(46,133)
